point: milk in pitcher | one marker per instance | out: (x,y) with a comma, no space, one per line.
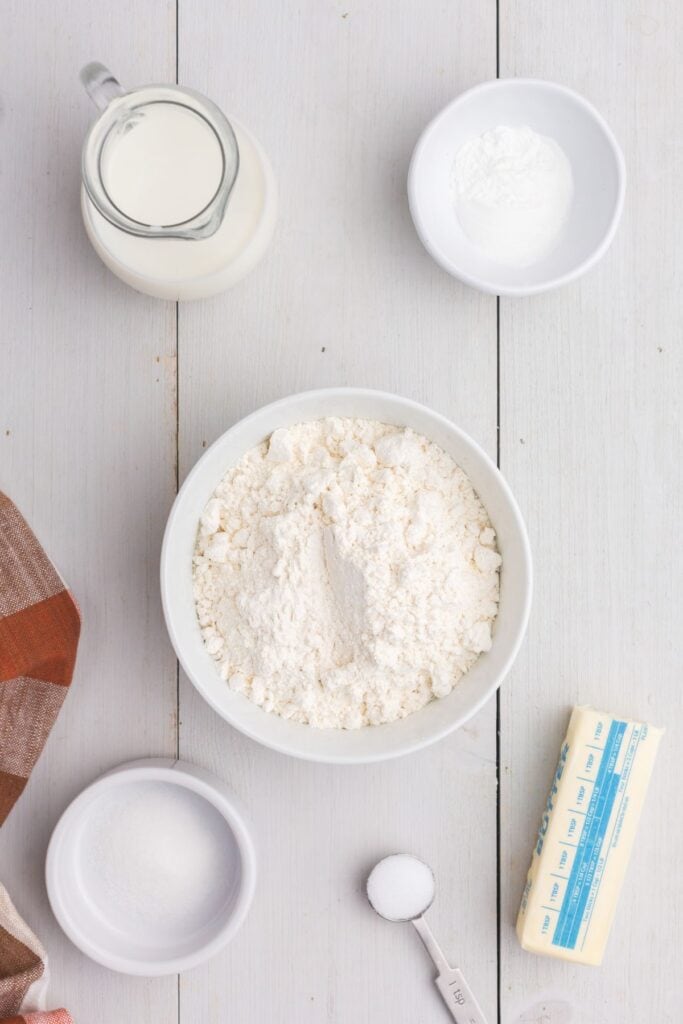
(177,201)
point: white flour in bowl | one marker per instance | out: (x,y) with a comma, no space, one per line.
(345,573)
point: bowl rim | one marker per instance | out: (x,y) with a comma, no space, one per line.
(175,772)
(472,279)
(407,747)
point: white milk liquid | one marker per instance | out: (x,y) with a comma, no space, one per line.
(177,268)
(163,165)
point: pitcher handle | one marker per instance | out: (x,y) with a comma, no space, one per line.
(100,84)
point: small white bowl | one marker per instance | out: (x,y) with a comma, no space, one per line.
(597,166)
(372,743)
(97,920)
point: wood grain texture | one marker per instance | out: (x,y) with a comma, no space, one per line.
(338,94)
(87,445)
(591,439)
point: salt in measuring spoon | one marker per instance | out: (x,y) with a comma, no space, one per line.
(401,888)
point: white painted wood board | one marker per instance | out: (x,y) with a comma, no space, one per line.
(87,446)
(338,94)
(591,437)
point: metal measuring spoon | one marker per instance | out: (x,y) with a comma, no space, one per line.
(401,888)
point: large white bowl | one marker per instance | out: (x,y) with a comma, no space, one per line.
(597,166)
(372,743)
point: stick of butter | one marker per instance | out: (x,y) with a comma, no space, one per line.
(586,834)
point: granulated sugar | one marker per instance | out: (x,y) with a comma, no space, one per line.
(345,573)
(156,856)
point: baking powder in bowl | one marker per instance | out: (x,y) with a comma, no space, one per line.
(513,189)
(345,573)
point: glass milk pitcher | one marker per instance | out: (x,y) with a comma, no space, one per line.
(177,201)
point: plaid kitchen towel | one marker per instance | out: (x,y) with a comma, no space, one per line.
(23,972)
(39,630)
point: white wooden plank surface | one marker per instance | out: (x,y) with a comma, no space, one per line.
(87,447)
(591,435)
(591,441)
(338,94)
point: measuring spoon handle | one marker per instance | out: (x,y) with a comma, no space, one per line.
(459,998)
(455,991)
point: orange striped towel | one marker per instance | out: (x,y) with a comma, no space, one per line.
(39,630)
(41,1017)
(23,972)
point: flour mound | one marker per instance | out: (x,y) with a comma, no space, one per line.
(345,573)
